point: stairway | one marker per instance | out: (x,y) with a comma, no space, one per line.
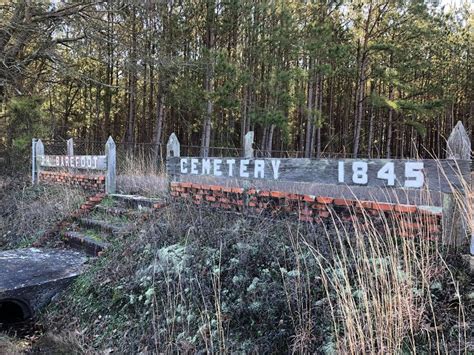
(105,220)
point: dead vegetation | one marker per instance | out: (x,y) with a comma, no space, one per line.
(197,280)
(29,211)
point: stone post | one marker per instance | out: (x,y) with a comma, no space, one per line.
(33,161)
(173,147)
(455,206)
(248,145)
(111,177)
(39,151)
(173,150)
(70,151)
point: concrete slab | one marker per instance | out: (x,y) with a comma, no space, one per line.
(32,276)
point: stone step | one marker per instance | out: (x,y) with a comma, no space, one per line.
(135,201)
(120,211)
(81,241)
(101,225)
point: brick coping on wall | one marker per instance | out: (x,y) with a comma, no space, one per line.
(412,220)
(92,183)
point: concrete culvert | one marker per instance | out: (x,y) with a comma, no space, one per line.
(13,311)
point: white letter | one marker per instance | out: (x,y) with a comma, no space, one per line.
(243,168)
(359,168)
(95,161)
(83,162)
(414,170)
(259,168)
(194,166)
(77,161)
(57,160)
(217,167)
(340,171)
(231,163)
(387,172)
(275,166)
(89,161)
(66,161)
(206,166)
(182,165)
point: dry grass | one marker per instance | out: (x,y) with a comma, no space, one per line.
(141,175)
(10,346)
(28,211)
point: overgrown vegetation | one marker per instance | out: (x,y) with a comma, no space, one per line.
(27,212)
(195,280)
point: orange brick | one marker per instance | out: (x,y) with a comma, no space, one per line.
(324,200)
(294,197)
(215,188)
(405,208)
(308,198)
(324,214)
(237,190)
(174,184)
(364,204)
(382,206)
(196,186)
(252,204)
(319,206)
(210,198)
(251,191)
(306,212)
(227,189)
(264,193)
(305,218)
(278,194)
(343,202)
(186,184)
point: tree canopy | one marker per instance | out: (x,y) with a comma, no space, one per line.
(378,78)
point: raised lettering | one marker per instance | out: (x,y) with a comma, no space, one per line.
(194,163)
(182,165)
(276,167)
(206,166)
(259,169)
(217,167)
(243,168)
(231,163)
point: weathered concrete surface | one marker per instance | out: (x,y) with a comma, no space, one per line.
(33,276)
